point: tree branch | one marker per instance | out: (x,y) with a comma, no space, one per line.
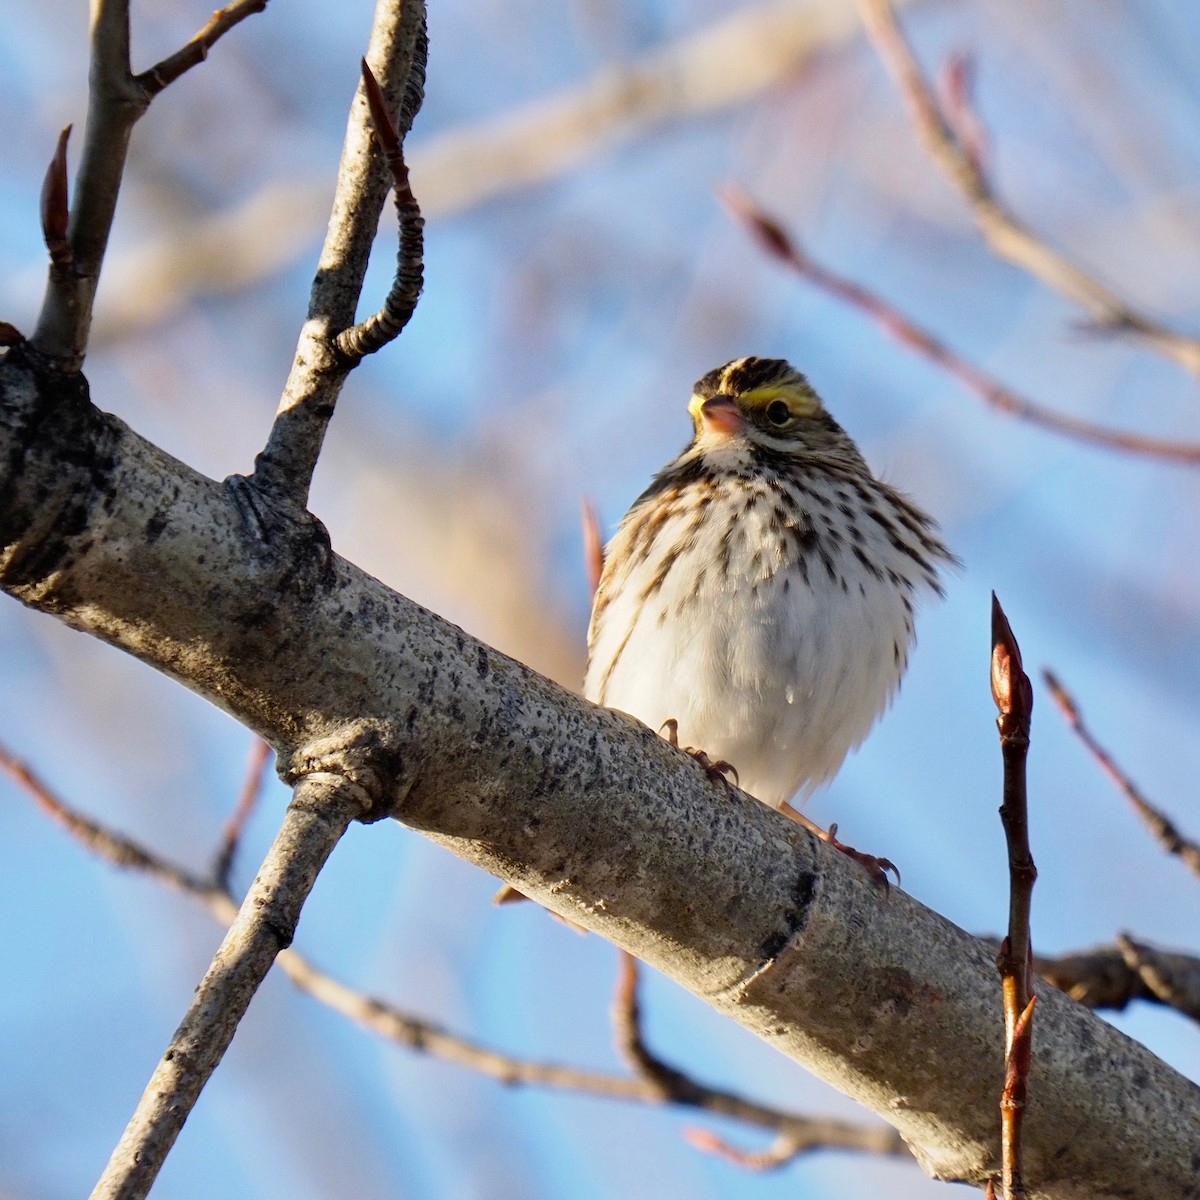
(780,245)
(801,1133)
(1007,236)
(1161,827)
(116,101)
(397,59)
(320,812)
(1013,694)
(583,810)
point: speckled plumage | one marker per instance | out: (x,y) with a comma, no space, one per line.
(761,591)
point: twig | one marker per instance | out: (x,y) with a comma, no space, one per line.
(782,1151)
(397,53)
(756,48)
(1008,237)
(195,51)
(1161,976)
(321,810)
(774,240)
(954,85)
(231,835)
(386,325)
(1161,827)
(671,1086)
(1013,694)
(116,101)
(416,1033)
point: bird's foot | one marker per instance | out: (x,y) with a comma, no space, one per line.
(876,867)
(718,770)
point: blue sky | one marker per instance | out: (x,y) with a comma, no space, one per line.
(551,359)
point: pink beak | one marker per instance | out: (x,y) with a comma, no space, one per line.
(721,415)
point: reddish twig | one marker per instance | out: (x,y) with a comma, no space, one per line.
(368,336)
(1013,694)
(1163,829)
(783,1150)
(195,51)
(593,546)
(1008,237)
(955,81)
(775,241)
(231,835)
(672,1086)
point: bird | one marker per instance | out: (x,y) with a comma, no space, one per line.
(757,602)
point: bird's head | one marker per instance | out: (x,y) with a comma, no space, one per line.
(765,400)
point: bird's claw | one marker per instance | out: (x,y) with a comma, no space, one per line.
(718,770)
(875,866)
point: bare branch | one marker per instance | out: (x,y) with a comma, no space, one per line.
(231,836)
(1161,827)
(672,1086)
(195,51)
(386,325)
(1008,237)
(1013,694)
(397,55)
(712,69)
(1161,975)
(116,101)
(775,241)
(783,1150)
(320,812)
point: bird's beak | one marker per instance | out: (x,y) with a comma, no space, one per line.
(719,414)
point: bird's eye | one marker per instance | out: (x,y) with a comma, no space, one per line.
(778,413)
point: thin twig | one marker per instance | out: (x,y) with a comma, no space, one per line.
(116,101)
(782,1151)
(231,835)
(195,51)
(672,1086)
(321,810)
(427,1037)
(371,335)
(1013,694)
(397,53)
(1161,827)
(1159,973)
(774,240)
(1008,237)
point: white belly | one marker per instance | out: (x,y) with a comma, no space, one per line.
(779,676)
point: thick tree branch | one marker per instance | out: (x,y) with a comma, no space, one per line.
(801,1133)
(585,811)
